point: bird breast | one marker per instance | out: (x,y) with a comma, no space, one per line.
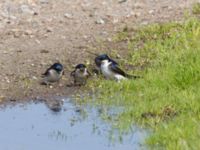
(106,70)
(109,74)
(53,75)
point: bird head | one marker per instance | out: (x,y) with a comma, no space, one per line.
(83,69)
(58,67)
(100,58)
(80,67)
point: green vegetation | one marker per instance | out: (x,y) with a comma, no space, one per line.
(167,97)
(196,8)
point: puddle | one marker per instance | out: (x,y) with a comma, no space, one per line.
(34,126)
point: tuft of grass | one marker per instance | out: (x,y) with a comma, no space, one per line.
(167,98)
(196,8)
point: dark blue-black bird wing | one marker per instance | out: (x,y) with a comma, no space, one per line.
(116,69)
(72,74)
(113,62)
(98,61)
(46,72)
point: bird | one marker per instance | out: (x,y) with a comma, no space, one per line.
(112,71)
(80,74)
(53,74)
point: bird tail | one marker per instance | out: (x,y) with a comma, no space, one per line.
(132,76)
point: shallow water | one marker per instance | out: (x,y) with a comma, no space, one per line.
(35,127)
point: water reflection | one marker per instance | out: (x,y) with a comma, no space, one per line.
(35,126)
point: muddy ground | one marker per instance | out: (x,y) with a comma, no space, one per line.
(36,33)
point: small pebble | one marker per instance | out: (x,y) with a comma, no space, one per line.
(100,21)
(49,29)
(44,1)
(44,51)
(115,21)
(5,52)
(121,1)
(37,41)
(67,15)
(151,12)
(34,77)
(109,39)
(138,5)
(28,32)
(26,9)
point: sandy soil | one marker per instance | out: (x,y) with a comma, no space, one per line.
(36,33)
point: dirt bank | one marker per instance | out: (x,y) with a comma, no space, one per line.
(36,33)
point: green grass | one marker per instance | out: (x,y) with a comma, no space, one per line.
(167,97)
(196,8)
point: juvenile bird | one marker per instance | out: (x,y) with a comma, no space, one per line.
(111,70)
(53,74)
(80,74)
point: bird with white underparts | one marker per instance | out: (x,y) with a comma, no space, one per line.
(53,74)
(110,69)
(80,75)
